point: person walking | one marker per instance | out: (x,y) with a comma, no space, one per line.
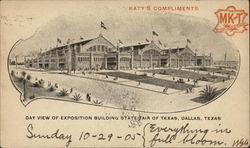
(165,90)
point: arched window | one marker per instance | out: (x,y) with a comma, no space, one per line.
(99,48)
(151,52)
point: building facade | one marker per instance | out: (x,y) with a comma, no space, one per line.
(99,53)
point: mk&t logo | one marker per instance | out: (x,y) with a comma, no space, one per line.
(230,21)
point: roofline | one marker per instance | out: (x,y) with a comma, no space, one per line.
(66,45)
(173,48)
(134,45)
(100,35)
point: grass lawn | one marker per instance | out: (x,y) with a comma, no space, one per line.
(187,74)
(149,80)
(110,94)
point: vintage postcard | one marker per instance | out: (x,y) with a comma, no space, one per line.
(127,73)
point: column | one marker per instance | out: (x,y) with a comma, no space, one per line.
(66,59)
(50,52)
(178,58)
(37,62)
(69,61)
(150,62)
(33,63)
(159,60)
(43,62)
(169,53)
(118,60)
(132,58)
(183,63)
(25,62)
(91,60)
(190,60)
(203,60)
(57,60)
(195,63)
(105,62)
(76,58)
(141,58)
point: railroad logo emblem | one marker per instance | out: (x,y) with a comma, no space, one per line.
(230,21)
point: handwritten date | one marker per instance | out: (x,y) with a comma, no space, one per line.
(151,135)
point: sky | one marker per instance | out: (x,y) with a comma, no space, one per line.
(41,29)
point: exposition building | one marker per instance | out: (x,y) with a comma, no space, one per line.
(100,53)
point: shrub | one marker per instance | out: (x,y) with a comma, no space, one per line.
(214,77)
(88,97)
(28,77)
(145,74)
(97,102)
(204,79)
(23,73)
(12,73)
(39,83)
(116,78)
(63,92)
(203,69)
(180,81)
(51,88)
(32,96)
(208,93)
(77,96)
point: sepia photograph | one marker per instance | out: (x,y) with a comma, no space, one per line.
(124,73)
(162,63)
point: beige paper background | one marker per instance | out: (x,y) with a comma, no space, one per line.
(233,106)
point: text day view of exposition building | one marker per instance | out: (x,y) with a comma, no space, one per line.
(100,53)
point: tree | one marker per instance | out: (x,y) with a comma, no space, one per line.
(25,78)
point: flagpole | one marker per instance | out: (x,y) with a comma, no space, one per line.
(118,46)
(152,32)
(100,29)
(152,36)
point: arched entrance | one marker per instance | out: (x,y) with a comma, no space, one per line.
(151,58)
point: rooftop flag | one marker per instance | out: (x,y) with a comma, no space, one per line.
(159,42)
(154,33)
(165,45)
(68,41)
(103,26)
(58,40)
(120,42)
